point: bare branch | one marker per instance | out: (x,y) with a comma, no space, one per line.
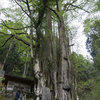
(27,3)
(57,5)
(22,9)
(55,13)
(68,4)
(23,1)
(54,19)
(7,40)
(79,8)
(75,17)
(72,4)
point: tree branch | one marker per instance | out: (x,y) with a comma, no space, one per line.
(22,9)
(4,33)
(42,13)
(18,38)
(27,3)
(68,4)
(19,34)
(22,40)
(13,28)
(78,7)
(7,40)
(33,38)
(55,13)
(57,5)
(23,50)
(13,34)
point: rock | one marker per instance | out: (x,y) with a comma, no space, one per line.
(1,75)
(46,95)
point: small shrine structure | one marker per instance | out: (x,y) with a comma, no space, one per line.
(15,83)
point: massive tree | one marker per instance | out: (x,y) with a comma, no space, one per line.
(42,25)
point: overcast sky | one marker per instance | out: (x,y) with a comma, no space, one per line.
(80,39)
(4,3)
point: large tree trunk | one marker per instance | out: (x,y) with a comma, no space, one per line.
(51,56)
(39,76)
(64,71)
(57,76)
(54,71)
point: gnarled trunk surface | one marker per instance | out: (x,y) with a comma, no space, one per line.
(54,71)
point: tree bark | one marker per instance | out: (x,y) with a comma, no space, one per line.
(26,67)
(64,71)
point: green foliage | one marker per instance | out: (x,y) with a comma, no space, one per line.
(93,39)
(97,6)
(56,99)
(81,65)
(86,76)
(2,86)
(96,91)
(16,59)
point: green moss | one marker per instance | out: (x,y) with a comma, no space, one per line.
(60,61)
(56,99)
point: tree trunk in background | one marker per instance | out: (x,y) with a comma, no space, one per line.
(75,85)
(26,67)
(6,56)
(24,72)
